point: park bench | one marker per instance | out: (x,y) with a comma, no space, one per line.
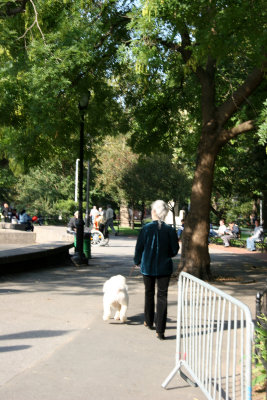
(240,242)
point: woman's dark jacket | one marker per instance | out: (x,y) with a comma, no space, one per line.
(156,245)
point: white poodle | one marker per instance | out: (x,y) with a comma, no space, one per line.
(115,296)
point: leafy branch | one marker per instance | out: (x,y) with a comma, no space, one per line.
(35,22)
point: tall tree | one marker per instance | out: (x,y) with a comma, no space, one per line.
(114,157)
(206,57)
(155,177)
(50,54)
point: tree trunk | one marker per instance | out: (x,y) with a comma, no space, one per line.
(131,217)
(195,257)
(173,220)
(264,208)
(124,215)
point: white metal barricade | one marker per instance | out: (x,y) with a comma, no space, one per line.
(214,340)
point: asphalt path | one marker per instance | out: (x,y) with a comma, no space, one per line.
(54,344)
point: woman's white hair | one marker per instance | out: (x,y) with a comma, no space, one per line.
(160,208)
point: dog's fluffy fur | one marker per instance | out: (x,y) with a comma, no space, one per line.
(115,297)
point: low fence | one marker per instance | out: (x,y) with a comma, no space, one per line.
(214,340)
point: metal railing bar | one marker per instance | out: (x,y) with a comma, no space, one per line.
(242,353)
(186,321)
(234,352)
(204,338)
(220,345)
(198,330)
(217,346)
(211,341)
(193,313)
(208,339)
(228,347)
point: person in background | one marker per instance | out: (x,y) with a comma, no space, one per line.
(256,237)
(100,223)
(212,233)
(109,219)
(157,243)
(24,218)
(180,230)
(93,213)
(14,216)
(102,213)
(72,225)
(231,233)
(222,228)
(6,212)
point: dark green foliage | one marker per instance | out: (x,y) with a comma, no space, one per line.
(7,182)
(44,73)
(155,177)
(47,190)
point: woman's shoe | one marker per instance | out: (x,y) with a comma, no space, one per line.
(160,336)
(148,326)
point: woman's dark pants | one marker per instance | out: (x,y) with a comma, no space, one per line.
(162,298)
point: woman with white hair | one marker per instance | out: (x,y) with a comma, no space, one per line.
(157,243)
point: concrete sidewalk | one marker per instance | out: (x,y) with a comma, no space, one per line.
(55,346)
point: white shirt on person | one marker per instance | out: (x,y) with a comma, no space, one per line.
(257,232)
(221,230)
(94,212)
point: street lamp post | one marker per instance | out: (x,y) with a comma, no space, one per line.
(83,104)
(87,218)
(76,181)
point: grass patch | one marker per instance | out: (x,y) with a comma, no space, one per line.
(128,231)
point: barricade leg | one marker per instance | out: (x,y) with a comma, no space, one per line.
(171,376)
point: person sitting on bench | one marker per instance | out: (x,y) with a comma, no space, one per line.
(231,233)
(256,237)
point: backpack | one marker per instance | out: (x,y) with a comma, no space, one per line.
(114,215)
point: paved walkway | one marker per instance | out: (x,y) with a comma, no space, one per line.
(55,346)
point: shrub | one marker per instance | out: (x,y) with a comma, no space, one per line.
(260,356)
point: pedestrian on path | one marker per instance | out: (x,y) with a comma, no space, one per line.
(157,243)
(72,225)
(109,219)
(93,213)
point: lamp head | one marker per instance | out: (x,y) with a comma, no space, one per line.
(84,100)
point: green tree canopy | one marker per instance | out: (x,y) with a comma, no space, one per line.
(207,58)
(50,55)
(155,177)
(47,189)
(114,157)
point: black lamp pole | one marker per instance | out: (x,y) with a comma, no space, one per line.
(83,104)
(87,222)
